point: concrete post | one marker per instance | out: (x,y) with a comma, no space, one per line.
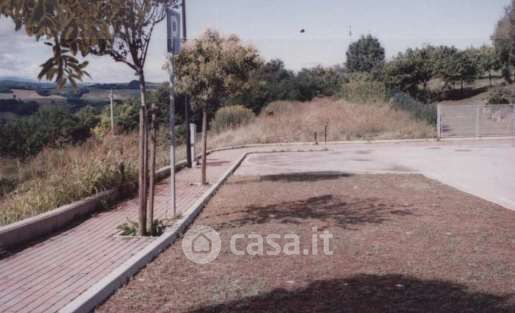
(478,114)
(513,120)
(438,122)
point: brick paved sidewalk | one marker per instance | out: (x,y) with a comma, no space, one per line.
(47,276)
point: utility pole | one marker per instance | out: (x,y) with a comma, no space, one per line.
(111,96)
(187,106)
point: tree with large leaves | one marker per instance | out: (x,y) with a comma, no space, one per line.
(211,69)
(75,29)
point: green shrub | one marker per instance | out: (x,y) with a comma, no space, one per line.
(232,117)
(362,88)
(417,109)
(499,95)
(126,119)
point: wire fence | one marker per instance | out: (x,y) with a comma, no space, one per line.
(475,120)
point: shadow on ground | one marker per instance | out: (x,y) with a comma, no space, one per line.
(327,208)
(305,177)
(371,294)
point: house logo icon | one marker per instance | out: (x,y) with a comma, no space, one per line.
(201,244)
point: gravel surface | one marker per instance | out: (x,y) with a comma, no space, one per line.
(401,243)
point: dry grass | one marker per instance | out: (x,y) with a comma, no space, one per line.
(60,176)
(297,122)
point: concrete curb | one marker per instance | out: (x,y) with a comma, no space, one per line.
(31,229)
(359,142)
(102,290)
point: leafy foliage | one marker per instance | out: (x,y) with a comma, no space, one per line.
(212,68)
(318,82)
(365,55)
(128,229)
(411,69)
(50,126)
(414,69)
(364,88)
(504,42)
(75,29)
(272,82)
(126,113)
(499,95)
(421,111)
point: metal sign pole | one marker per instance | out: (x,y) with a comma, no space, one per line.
(172,136)
(189,157)
(174,46)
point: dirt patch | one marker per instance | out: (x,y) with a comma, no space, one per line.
(429,248)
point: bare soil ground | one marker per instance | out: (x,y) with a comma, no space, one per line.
(402,243)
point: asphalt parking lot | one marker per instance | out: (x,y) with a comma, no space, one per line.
(483,168)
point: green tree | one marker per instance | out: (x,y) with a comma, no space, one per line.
(365,55)
(51,126)
(465,67)
(271,82)
(486,60)
(318,81)
(211,69)
(442,63)
(411,69)
(504,41)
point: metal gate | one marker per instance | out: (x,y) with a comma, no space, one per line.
(476,120)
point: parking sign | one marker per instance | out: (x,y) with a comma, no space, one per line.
(174,31)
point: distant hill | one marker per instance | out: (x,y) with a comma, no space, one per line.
(17,79)
(42,93)
(133,85)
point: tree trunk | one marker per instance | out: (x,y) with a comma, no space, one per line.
(143,158)
(152,171)
(204,145)
(490,77)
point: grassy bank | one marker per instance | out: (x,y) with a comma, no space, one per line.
(285,121)
(60,176)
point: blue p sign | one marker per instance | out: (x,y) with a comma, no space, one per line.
(174,31)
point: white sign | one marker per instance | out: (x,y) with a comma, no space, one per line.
(174,31)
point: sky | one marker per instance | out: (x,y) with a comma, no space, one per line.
(273,26)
